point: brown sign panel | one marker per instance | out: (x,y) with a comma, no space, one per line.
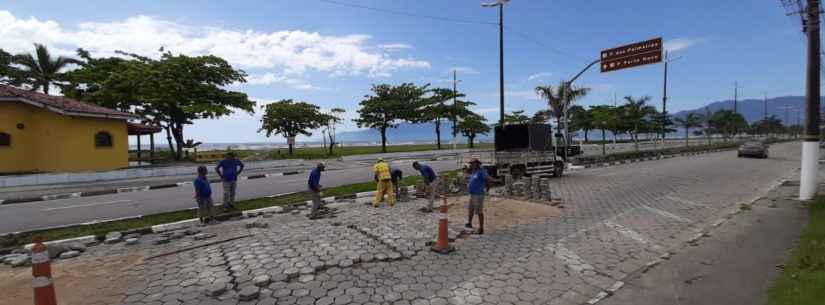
(632,61)
(648,46)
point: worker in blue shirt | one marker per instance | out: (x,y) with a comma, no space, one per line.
(314,185)
(228,169)
(479,185)
(203,195)
(430,180)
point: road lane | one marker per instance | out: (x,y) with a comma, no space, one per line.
(35,215)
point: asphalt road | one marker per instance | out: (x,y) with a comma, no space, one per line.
(36,215)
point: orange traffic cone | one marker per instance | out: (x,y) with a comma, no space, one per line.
(442,245)
(42,273)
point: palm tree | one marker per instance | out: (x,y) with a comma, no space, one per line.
(559,98)
(690,121)
(636,112)
(42,71)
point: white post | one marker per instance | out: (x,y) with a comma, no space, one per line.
(810,168)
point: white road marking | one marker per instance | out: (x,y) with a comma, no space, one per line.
(684,201)
(667,214)
(632,235)
(569,258)
(85,205)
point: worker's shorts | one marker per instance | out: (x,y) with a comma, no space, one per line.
(476,204)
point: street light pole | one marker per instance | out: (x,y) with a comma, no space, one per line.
(500,4)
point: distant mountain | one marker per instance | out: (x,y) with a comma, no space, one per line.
(406,132)
(753,109)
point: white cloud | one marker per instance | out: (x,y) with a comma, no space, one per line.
(289,52)
(462,70)
(396,46)
(679,44)
(540,75)
(270,78)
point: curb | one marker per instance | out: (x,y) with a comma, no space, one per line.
(635,160)
(188,222)
(130,189)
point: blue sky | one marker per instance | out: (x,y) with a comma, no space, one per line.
(329,54)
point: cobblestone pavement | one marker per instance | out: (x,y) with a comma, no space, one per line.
(616,221)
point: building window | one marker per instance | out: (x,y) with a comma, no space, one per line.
(5,139)
(103,139)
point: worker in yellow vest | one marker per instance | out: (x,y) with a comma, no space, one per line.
(384,185)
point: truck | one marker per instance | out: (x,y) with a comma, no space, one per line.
(523,150)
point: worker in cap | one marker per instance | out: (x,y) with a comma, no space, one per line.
(384,186)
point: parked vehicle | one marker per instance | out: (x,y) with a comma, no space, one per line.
(753,149)
(522,150)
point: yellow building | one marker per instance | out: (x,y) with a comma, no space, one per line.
(44,133)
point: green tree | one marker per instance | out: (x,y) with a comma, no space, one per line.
(603,117)
(636,112)
(388,105)
(472,126)
(540,117)
(768,126)
(41,70)
(107,81)
(691,120)
(290,119)
(581,119)
(9,74)
(516,117)
(333,119)
(170,92)
(559,98)
(727,122)
(434,109)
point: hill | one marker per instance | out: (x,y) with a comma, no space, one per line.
(406,132)
(753,109)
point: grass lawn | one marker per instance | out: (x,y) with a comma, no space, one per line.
(168,217)
(803,280)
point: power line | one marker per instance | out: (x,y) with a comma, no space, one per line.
(454,20)
(400,13)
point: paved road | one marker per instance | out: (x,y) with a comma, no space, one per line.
(30,216)
(616,220)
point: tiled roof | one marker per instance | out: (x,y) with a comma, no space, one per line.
(60,104)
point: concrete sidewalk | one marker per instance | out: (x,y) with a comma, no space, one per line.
(736,264)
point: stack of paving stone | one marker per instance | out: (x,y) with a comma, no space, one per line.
(545,190)
(404,194)
(420,189)
(518,189)
(535,181)
(508,185)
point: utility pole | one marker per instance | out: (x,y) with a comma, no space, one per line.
(735,96)
(664,99)
(765,108)
(501,63)
(500,4)
(810,138)
(455,107)
(664,102)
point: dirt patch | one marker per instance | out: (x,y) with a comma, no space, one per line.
(502,212)
(76,283)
